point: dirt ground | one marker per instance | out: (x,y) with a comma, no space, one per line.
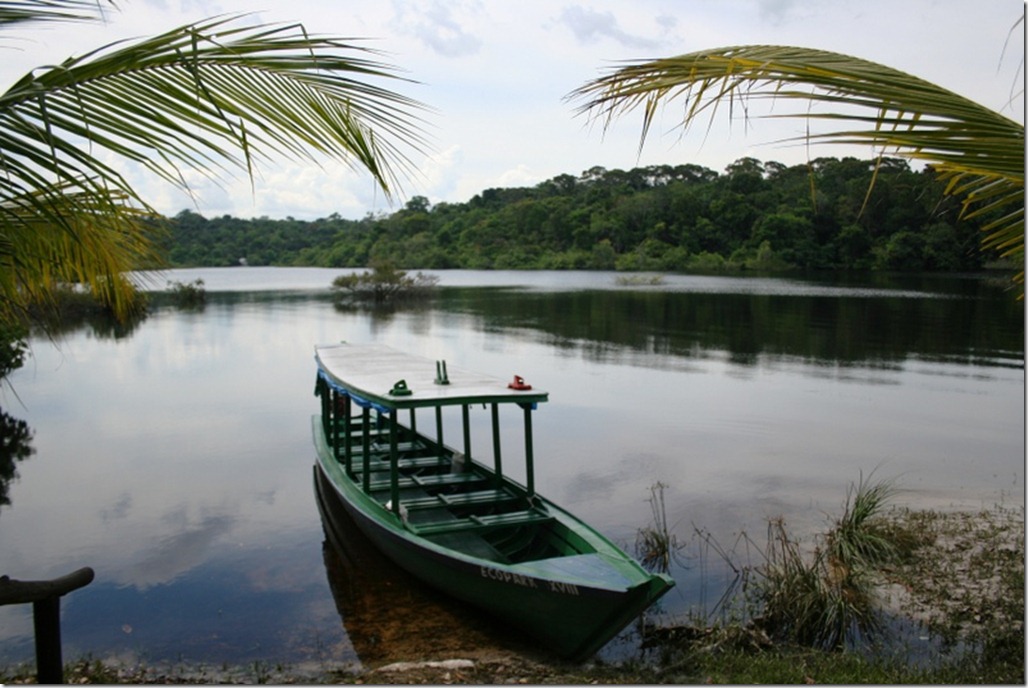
(489,671)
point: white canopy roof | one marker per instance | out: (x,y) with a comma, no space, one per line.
(380,375)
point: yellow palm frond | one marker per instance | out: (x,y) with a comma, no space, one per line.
(59,236)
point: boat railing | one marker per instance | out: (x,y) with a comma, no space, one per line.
(367,439)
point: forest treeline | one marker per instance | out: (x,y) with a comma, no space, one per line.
(828,214)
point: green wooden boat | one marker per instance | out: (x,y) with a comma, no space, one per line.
(454,521)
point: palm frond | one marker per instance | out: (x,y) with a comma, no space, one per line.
(62,235)
(207,97)
(860,102)
(25,11)
(211,97)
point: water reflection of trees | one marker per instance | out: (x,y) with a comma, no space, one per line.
(74,317)
(856,329)
(964,321)
(15,446)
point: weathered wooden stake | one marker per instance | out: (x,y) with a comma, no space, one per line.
(45,597)
(46,618)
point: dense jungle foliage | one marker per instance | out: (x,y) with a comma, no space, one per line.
(829,214)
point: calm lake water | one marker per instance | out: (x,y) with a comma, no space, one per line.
(175,458)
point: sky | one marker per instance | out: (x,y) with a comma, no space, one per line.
(495,75)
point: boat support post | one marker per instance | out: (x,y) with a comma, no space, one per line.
(322,390)
(366,448)
(338,430)
(348,424)
(467,436)
(439,426)
(394,463)
(529,456)
(497,462)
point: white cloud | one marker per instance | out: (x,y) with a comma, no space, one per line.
(775,11)
(440,173)
(522,175)
(439,26)
(589,25)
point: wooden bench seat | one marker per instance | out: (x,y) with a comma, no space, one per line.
(379,448)
(477,497)
(473,523)
(428,480)
(383,463)
(401,447)
(512,518)
(447,479)
(460,499)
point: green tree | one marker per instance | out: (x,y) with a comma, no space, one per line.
(210,96)
(903,251)
(979,152)
(789,235)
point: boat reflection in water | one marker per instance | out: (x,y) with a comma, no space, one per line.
(457,523)
(391,616)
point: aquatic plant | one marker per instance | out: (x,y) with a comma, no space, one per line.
(828,598)
(639,280)
(962,575)
(383,284)
(655,545)
(860,537)
(192,295)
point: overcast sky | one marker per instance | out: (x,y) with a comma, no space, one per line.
(495,73)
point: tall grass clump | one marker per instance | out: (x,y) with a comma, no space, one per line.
(862,536)
(655,545)
(827,598)
(883,595)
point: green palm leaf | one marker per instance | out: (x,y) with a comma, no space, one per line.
(978,150)
(209,97)
(194,96)
(25,11)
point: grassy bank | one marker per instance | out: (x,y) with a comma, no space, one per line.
(885,596)
(959,577)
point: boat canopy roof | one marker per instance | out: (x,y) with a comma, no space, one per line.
(376,375)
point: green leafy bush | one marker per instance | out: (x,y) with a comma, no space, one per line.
(382,284)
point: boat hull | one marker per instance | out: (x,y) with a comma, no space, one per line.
(572,606)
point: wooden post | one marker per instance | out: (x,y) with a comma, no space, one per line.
(529,458)
(366,449)
(439,427)
(45,597)
(497,462)
(337,426)
(46,619)
(467,436)
(326,408)
(348,424)
(394,459)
